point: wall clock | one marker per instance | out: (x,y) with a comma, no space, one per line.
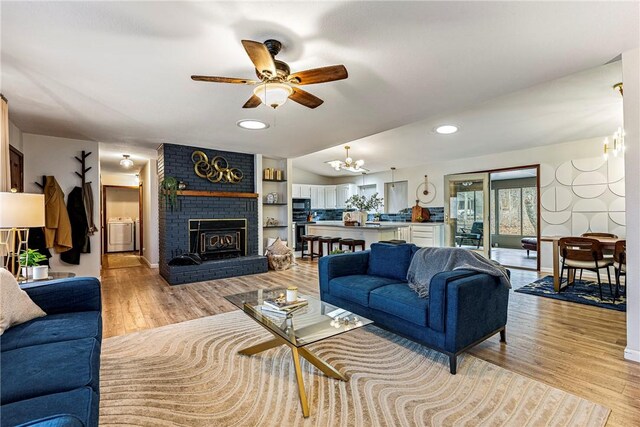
(426,191)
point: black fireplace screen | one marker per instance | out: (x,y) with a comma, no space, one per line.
(218,238)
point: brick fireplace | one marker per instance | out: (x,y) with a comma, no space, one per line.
(222,230)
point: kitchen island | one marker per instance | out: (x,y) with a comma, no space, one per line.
(368,233)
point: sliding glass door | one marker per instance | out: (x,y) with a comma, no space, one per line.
(467,211)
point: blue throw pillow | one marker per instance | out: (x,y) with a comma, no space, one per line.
(391,261)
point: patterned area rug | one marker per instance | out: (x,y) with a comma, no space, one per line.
(190,374)
(583,292)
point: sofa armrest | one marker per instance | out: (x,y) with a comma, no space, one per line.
(438,296)
(66,295)
(332,266)
(476,307)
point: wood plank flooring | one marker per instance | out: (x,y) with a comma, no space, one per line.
(573,347)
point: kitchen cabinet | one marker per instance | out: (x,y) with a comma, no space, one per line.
(427,235)
(295,191)
(329,196)
(301,191)
(343,192)
(317,197)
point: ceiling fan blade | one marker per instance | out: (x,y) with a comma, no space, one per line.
(260,56)
(213,79)
(253,102)
(305,98)
(319,75)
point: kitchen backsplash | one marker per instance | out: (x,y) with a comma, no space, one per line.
(437,215)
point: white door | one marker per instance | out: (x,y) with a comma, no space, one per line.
(330,196)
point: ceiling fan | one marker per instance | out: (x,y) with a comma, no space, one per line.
(276,84)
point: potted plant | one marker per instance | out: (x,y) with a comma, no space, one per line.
(169,192)
(30,261)
(364,205)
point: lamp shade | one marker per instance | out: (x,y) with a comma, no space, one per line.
(21,210)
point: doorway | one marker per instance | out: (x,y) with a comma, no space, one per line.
(122,225)
(515,217)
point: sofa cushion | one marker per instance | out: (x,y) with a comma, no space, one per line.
(356,288)
(55,421)
(49,368)
(399,300)
(79,405)
(391,261)
(53,328)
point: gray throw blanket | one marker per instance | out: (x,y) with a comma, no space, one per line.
(428,262)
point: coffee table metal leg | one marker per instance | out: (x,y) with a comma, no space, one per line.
(303,395)
(328,370)
(263,346)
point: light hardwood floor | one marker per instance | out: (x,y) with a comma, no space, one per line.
(573,347)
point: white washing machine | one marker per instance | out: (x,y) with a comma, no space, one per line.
(120,235)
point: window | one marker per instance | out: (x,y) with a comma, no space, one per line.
(516,211)
(395,196)
(470,206)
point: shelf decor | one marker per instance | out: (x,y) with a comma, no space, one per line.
(217,170)
(272,174)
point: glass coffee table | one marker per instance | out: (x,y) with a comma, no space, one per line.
(314,322)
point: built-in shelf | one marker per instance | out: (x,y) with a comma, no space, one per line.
(274,180)
(275,226)
(274,204)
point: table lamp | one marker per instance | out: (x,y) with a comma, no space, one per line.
(18,212)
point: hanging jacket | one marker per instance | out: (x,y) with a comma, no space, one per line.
(57,225)
(87,198)
(79,228)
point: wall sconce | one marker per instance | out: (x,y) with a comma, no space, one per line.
(617,145)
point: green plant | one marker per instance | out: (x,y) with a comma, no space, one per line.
(361,203)
(31,258)
(336,252)
(169,191)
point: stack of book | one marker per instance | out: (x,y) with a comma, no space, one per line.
(280,306)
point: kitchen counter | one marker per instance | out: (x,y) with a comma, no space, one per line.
(339,224)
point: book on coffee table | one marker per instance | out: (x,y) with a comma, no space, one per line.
(281,306)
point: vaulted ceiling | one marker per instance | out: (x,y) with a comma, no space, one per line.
(118,72)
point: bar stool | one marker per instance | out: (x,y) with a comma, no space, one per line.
(393,241)
(330,241)
(351,244)
(308,239)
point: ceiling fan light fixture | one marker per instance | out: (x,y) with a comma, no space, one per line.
(251,124)
(126,161)
(273,94)
(446,129)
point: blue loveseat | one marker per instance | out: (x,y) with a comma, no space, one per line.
(463,307)
(51,365)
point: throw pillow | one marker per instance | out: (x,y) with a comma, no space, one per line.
(391,261)
(279,248)
(15,305)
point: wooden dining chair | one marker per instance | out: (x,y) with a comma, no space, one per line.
(620,264)
(606,252)
(580,253)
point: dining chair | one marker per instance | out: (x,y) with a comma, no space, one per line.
(608,253)
(620,264)
(584,253)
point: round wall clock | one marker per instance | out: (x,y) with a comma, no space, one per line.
(426,191)
(270,198)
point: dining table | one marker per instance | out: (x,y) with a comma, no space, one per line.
(608,243)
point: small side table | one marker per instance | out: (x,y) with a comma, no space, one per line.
(53,275)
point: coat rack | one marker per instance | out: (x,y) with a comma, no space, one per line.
(83,172)
(44,181)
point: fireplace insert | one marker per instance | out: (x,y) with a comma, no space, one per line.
(218,238)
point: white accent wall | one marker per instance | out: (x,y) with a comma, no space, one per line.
(149,181)
(47,155)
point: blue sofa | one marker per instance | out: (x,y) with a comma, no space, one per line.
(463,307)
(51,365)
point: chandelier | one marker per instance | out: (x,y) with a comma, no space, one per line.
(348,164)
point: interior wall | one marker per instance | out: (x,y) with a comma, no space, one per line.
(149,181)
(566,208)
(15,137)
(301,176)
(631,99)
(122,202)
(46,155)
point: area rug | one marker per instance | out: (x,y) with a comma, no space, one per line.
(189,374)
(583,292)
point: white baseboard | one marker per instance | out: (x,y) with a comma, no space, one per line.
(633,355)
(146,261)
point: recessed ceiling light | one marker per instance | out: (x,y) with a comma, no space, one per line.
(446,129)
(252,124)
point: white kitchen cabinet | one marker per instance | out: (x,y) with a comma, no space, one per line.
(295,191)
(329,196)
(343,192)
(404,233)
(427,235)
(317,197)
(305,191)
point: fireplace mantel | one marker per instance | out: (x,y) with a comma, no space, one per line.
(201,193)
